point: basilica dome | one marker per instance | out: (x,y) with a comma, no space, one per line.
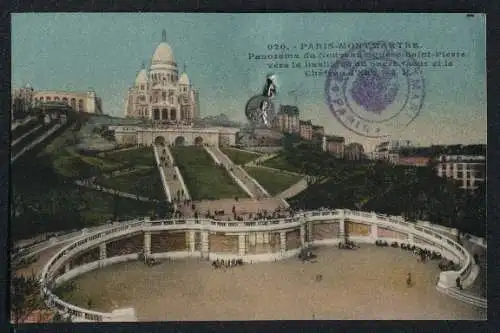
(142,77)
(184,79)
(163,54)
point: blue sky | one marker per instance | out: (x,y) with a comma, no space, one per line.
(105,51)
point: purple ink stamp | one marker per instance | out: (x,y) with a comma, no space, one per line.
(374,90)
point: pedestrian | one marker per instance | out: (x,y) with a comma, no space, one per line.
(459,283)
(408,280)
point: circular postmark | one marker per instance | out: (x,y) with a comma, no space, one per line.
(375,90)
(259,111)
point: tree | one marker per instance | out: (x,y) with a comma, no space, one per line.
(24,297)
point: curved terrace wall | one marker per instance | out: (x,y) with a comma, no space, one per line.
(252,241)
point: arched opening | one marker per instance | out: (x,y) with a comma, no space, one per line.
(179,141)
(198,141)
(56,98)
(48,98)
(173,114)
(160,140)
(164,114)
(73,103)
(80,104)
(65,100)
(156,114)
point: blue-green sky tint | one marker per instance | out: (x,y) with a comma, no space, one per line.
(105,51)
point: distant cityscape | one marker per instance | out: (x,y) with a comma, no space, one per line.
(463,163)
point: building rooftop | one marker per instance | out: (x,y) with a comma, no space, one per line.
(334,138)
(289,110)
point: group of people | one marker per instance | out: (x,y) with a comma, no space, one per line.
(227,263)
(307,255)
(149,261)
(447,265)
(425,254)
(164,159)
(220,214)
(348,245)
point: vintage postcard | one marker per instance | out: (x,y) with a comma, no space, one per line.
(264,166)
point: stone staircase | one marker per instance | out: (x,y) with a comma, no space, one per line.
(464,296)
(242,178)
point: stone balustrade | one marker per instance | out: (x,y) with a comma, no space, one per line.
(281,238)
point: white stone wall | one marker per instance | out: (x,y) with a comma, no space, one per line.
(442,244)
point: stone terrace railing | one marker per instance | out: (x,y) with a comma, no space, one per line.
(396,223)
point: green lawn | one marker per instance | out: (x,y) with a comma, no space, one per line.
(274,182)
(145,182)
(61,144)
(22,129)
(69,207)
(100,207)
(240,157)
(45,198)
(67,162)
(73,165)
(203,178)
(138,156)
(279,162)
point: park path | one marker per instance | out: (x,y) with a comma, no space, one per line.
(16,124)
(172,175)
(277,170)
(37,141)
(242,178)
(14,142)
(261,159)
(90,185)
(293,190)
